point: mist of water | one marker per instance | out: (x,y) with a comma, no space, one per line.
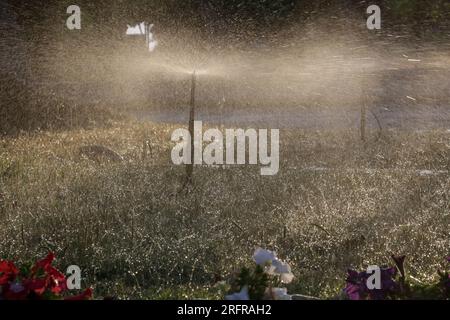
(315,68)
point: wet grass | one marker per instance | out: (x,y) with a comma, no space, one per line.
(136,235)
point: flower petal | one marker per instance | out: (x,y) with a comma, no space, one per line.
(262,256)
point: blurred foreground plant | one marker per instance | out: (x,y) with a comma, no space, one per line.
(40,281)
(262,281)
(396,284)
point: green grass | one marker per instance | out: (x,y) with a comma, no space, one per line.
(136,236)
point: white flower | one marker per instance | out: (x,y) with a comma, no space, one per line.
(243,295)
(281,294)
(284,270)
(262,257)
(281,267)
(287,277)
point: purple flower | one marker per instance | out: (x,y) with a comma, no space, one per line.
(353,291)
(388,284)
(356,288)
(400,263)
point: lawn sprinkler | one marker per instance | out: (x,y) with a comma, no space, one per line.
(190,167)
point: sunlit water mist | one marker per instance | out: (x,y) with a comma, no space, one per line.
(310,89)
(280,85)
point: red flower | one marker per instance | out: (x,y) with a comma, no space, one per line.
(58,282)
(43,282)
(38,286)
(8,272)
(54,280)
(43,264)
(86,295)
(15,291)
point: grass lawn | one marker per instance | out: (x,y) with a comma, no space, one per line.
(336,203)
